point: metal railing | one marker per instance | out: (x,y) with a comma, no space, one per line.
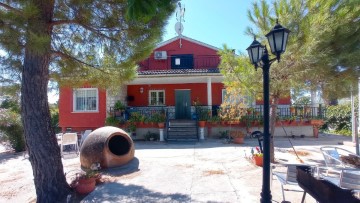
(255,113)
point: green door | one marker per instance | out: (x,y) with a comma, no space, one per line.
(182,104)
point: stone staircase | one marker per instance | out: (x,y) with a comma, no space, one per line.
(182,130)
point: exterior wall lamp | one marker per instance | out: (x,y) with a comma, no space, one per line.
(141,90)
(259,56)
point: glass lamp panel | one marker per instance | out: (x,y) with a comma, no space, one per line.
(250,55)
(261,51)
(271,42)
(278,42)
(286,35)
(255,54)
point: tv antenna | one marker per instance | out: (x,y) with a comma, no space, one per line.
(179,28)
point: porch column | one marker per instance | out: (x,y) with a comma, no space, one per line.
(209,93)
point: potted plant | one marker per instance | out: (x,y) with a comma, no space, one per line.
(159,118)
(257,157)
(203,116)
(201,112)
(119,108)
(85,182)
(112,121)
(238,136)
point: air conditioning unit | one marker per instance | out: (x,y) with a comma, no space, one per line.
(160,55)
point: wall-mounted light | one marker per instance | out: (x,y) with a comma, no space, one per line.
(141,90)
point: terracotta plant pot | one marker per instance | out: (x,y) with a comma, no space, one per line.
(161,125)
(85,185)
(238,140)
(202,124)
(258,160)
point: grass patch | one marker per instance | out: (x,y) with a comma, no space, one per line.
(213,172)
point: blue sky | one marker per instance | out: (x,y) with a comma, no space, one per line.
(215,23)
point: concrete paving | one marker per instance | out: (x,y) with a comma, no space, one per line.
(207,171)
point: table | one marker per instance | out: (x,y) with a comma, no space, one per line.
(321,189)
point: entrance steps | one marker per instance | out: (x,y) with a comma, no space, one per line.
(182,130)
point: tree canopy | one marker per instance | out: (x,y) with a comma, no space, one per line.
(73,42)
(91,41)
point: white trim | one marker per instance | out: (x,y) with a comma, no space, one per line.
(161,44)
(157,97)
(223,93)
(85,111)
(209,93)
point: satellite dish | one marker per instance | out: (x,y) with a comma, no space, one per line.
(179,28)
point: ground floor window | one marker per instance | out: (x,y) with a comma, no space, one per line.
(156,97)
(86,99)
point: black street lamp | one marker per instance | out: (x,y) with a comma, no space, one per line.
(277,38)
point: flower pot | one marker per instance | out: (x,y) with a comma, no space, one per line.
(85,185)
(161,125)
(202,124)
(258,160)
(238,140)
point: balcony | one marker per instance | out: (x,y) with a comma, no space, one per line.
(199,62)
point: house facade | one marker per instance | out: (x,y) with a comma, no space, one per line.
(178,72)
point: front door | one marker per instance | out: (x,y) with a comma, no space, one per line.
(182,104)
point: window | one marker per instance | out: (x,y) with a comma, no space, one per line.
(182,61)
(156,97)
(86,99)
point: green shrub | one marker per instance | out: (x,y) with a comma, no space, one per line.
(112,121)
(338,117)
(12,130)
(149,136)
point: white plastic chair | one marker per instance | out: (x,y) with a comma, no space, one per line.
(69,139)
(84,136)
(333,161)
(288,178)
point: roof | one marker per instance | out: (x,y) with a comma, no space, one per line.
(188,39)
(179,71)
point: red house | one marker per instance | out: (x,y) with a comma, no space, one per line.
(178,72)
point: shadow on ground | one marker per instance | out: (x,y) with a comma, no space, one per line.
(117,192)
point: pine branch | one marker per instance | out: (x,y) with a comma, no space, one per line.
(67,56)
(87,27)
(6,6)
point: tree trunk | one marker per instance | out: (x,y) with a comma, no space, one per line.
(273,114)
(41,143)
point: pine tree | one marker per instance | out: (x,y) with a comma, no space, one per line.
(69,41)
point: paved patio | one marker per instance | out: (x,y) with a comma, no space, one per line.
(207,171)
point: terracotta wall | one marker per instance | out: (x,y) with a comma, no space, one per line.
(80,121)
(198,90)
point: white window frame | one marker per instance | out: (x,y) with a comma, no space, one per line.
(157,97)
(223,93)
(85,89)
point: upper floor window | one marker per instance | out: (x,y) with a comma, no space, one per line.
(183,61)
(156,97)
(86,99)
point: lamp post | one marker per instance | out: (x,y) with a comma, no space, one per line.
(258,54)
